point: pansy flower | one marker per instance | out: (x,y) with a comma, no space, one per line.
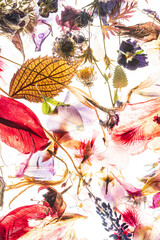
(131,55)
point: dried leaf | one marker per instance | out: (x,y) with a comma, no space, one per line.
(80,95)
(119,79)
(16,40)
(2,189)
(145,31)
(152,185)
(41,76)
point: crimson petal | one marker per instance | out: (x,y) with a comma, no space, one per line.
(20,128)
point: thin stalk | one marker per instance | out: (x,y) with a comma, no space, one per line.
(4,92)
(148,15)
(98,116)
(50,135)
(100,21)
(109,88)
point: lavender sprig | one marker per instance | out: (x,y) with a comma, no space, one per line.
(112,221)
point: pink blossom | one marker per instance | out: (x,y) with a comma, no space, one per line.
(138,124)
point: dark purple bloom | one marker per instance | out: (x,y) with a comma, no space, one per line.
(73,19)
(105,8)
(131,56)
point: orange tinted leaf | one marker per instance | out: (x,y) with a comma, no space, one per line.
(45,76)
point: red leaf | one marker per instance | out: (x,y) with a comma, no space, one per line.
(20,128)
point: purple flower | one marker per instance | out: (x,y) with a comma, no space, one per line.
(73,19)
(106,9)
(131,56)
(41,32)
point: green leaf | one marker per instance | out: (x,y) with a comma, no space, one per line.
(119,78)
(46,109)
(55,102)
(115,96)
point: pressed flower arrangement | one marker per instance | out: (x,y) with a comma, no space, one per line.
(79,120)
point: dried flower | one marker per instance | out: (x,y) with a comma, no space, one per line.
(68,46)
(88,55)
(47,6)
(65,46)
(112,120)
(86,76)
(73,19)
(17,17)
(131,55)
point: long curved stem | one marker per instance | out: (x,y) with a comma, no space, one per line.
(50,135)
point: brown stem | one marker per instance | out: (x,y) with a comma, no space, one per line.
(130,93)
(4,92)
(50,135)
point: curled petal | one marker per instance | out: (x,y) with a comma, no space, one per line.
(152,185)
(145,232)
(66,119)
(20,127)
(41,33)
(16,223)
(156,200)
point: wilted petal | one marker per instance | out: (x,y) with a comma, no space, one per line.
(146,232)
(54,231)
(156,200)
(16,223)
(129,188)
(138,125)
(41,166)
(66,118)
(152,185)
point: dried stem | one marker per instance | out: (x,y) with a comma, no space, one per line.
(104,134)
